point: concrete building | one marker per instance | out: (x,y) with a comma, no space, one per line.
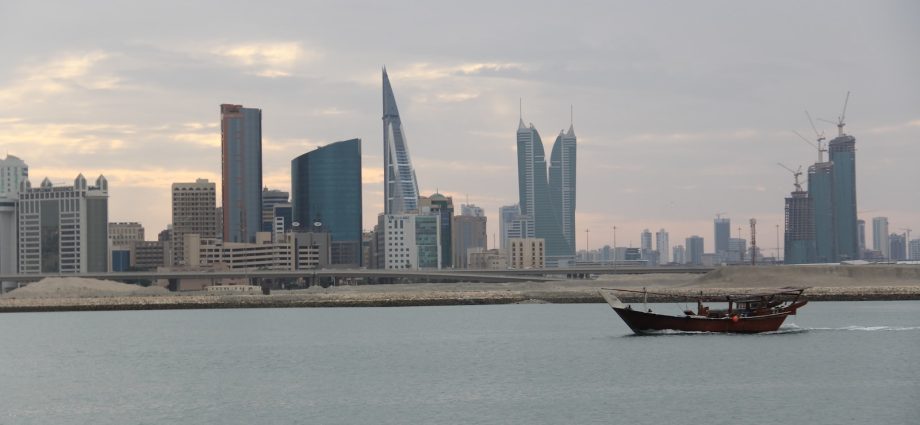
(443,207)
(193,212)
(411,241)
(297,251)
(270,198)
(722,233)
(13,172)
(326,189)
(400,187)
(63,229)
(514,225)
(645,244)
(529,253)
(125,234)
(880,241)
(694,253)
(679,255)
(487,259)
(737,251)
(469,234)
(241,172)
(821,193)
(661,245)
(861,235)
(149,255)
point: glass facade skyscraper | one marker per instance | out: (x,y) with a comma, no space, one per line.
(821,192)
(562,183)
(722,233)
(843,155)
(241,172)
(400,188)
(326,188)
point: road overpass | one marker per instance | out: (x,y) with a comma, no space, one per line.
(506,275)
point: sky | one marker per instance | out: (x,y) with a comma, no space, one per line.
(682,109)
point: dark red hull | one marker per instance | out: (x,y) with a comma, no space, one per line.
(642,322)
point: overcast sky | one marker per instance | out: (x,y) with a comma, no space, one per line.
(682,109)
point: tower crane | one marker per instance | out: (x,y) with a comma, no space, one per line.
(841,120)
(821,148)
(796,173)
(907,236)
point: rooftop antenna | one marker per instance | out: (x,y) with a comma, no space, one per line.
(571,115)
(796,173)
(720,214)
(821,149)
(521,108)
(841,120)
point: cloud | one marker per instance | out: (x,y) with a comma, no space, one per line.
(56,138)
(270,60)
(58,75)
(428,71)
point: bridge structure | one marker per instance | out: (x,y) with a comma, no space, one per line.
(498,275)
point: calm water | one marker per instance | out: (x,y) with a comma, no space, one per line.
(513,364)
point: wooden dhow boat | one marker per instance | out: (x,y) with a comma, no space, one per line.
(746,313)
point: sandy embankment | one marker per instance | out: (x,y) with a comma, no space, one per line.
(825,282)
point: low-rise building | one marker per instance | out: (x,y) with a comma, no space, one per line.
(526,253)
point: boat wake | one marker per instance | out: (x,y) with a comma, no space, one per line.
(869,328)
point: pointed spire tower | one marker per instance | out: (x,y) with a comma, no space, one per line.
(562,182)
(400,188)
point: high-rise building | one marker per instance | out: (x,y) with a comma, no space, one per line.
(13,171)
(536,200)
(861,236)
(694,252)
(514,224)
(898,250)
(722,229)
(193,212)
(737,250)
(562,182)
(64,229)
(400,187)
(880,241)
(914,250)
(842,152)
(799,232)
(645,239)
(661,245)
(326,186)
(410,241)
(469,234)
(241,172)
(270,198)
(443,207)
(821,193)
(679,255)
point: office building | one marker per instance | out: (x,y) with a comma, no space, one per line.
(296,251)
(679,255)
(400,188)
(326,189)
(914,250)
(125,234)
(737,252)
(536,200)
(645,244)
(410,241)
(487,259)
(898,249)
(880,241)
(722,228)
(241,172)
(861,235)
(193,212)
(514,225)
(661,245)
(63,229)
(694,250)
(149,255)
(562,183)
(443,207)
(527,253)
(270,198)
(469,234)
(799,234)
(821,193)
(842,152)
(13,173)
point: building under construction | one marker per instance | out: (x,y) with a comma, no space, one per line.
(800,229)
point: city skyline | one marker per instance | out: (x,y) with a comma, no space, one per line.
(662,143)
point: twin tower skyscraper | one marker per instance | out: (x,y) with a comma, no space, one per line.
(547,194)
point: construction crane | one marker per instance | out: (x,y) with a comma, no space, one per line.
(907,235)
(720,214)
(819,147)
(796,173)
(841,120)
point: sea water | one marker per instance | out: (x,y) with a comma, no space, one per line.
(834,363)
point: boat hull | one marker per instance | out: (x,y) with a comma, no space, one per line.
(643,323)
